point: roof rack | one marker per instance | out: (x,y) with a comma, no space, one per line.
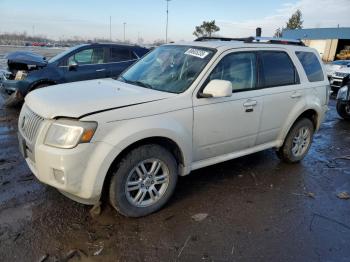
(266,40)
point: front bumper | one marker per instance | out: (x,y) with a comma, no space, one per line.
(82,167)
(336,82)
(10,86)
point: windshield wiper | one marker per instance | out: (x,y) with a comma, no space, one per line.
(138,83)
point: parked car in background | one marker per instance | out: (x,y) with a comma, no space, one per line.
(180,108)
(339,78)
(331,68)
(343,99)
(30,71)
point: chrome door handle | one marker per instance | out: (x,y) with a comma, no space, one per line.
(250,103)
(296,95)
(100,70)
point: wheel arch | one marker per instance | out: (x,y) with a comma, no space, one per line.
(163,141)
(40,82)
(310,113)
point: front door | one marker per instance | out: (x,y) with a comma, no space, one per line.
(230,124)
(86,64)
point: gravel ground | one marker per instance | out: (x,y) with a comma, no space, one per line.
(253,208)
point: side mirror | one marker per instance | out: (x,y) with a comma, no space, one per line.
(73,66)
(217,88)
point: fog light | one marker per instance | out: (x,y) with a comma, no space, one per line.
(59,176)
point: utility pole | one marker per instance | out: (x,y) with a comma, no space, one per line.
(167,20)
(110,28)
(33,28)
(124,31)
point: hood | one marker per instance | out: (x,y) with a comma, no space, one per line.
(89,97)
(344,70)
(28,58)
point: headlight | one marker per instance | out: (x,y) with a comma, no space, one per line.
(342,93)
(66,133)
(21,75)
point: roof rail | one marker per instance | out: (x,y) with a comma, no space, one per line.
(278,40)
(268,40)
(217,38)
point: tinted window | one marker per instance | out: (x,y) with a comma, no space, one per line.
(121,54)
(239,69)
(311,66)
(277,69)
(87,56)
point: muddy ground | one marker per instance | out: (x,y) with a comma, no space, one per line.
(254,208)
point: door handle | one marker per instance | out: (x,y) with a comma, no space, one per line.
(100,70)
(296,95)
(250,103)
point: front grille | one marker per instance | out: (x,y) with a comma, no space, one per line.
(29,123)
(340,74)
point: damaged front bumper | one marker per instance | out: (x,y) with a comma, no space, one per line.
(10,91)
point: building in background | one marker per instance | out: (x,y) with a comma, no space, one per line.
(331,43)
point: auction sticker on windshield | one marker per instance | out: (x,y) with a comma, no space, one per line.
(197,53)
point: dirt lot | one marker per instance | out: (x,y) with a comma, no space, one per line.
(254,208)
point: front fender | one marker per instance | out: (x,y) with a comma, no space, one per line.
(176,126)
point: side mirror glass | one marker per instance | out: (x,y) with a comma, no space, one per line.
(217,88)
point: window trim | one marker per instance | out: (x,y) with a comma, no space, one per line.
(259,80)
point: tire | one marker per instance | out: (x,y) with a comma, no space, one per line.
(130,191)
(344,110)
(298,141)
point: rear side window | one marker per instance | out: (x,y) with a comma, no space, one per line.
(121,54)
(277,69)
(311,66)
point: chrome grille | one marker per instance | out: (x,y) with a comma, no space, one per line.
(341,74)
(29,123)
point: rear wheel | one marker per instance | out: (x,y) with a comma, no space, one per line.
(144,181)
(297,142)
(344,110)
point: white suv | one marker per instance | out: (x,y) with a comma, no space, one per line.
(180,108)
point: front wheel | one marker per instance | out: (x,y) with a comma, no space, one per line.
(297,142)
(144,181)
(343,110)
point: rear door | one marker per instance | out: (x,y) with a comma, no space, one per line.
(282,91)
(90,64)
(120,58)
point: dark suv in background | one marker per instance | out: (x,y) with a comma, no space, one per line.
(29,71)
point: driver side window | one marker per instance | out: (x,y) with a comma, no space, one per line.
(87,56)
(239,69)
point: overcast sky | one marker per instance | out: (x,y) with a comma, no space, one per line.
(146,18)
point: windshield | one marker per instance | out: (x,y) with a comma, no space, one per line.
(168,68)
